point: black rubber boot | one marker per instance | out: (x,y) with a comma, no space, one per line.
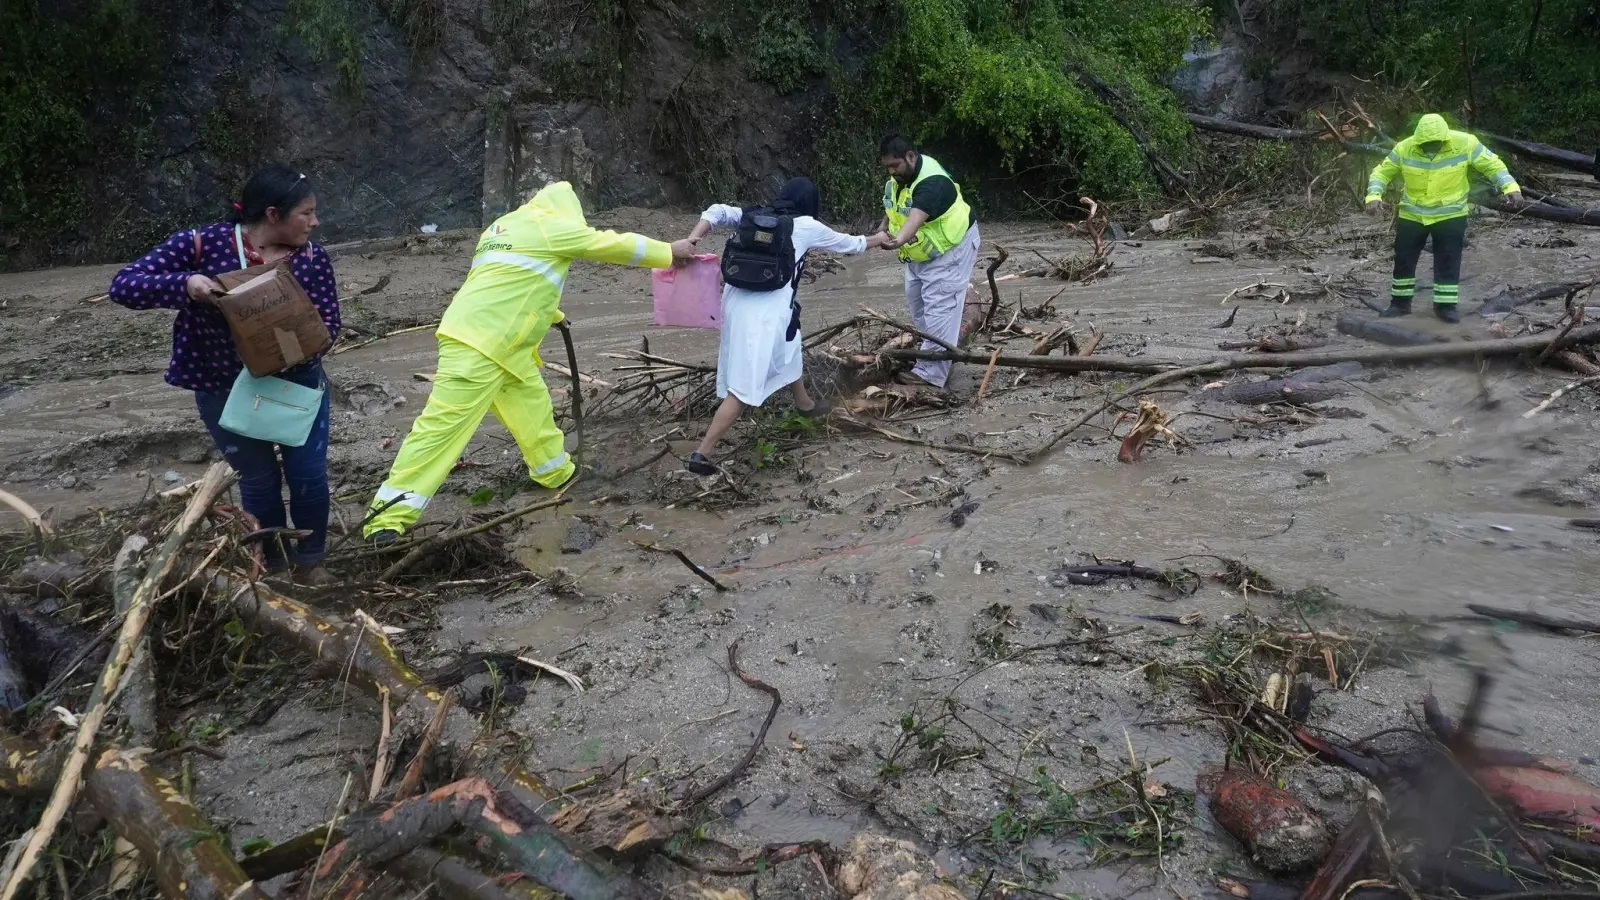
(1398,309)
(1447,312)
(384,538)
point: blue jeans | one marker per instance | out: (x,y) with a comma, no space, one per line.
(261,476)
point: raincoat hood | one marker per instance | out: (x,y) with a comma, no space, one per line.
(1432,127)
(559,200)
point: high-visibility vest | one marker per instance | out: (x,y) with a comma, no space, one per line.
(1436,186)
(936,237)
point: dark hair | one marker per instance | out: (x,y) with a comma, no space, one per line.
(799,197)
(896,145)
(275,187)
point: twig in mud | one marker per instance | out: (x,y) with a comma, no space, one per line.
(769,857)
(576,397)
(217,478)
(1559,393)
(908,439)
(665,450)
(1095,336)
(440,540)
(430,736)
(994,289)
(381,337)
(761,736)
(684,558)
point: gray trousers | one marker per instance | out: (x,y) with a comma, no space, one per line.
(936,292)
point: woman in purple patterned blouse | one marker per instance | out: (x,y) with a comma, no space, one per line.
(271,222)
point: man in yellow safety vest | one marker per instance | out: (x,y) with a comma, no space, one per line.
(1433,163)
(489,350)
(936,236)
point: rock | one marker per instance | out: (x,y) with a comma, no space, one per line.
(1280,832)
(45,577)
(171,477)
(1217,82)
(1336,795)
(68,481)
(878,867)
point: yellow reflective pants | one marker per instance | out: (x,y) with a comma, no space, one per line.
(467,385)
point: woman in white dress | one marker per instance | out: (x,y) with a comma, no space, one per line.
(761,349)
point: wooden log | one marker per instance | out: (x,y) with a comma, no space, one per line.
(534,846)
(1384,332)
(1053,363)
(1555,156)
(1268,133)
(364,658)
(1287,390)
(1570,215)
(184,851)
(1508,300)
(1430,353)
(217,478)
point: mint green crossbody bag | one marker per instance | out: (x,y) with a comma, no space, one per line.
(271,409)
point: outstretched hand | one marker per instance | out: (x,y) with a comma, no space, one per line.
(683,252)
(1375,208)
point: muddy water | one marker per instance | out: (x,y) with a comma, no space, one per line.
(1418,499)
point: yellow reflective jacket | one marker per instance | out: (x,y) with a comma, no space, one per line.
(1436,186)
(512,295)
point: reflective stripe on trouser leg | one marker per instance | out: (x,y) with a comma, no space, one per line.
(1403,288)
(463,388)
(525,409)
(1446,293)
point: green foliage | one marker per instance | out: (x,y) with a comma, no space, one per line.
(1024,77)
(1528,68)
(57,67)
(331,29)
(786,54)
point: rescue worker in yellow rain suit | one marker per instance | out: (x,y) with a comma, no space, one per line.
(1434,163)
(489,350)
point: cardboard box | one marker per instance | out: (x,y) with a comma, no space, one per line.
(275,325)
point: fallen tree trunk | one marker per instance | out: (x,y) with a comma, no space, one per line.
(1269,133)
(1389,333)
(1569,215)
(530,843)
(1509,300)
(1555,156)
(1429,353)
(180,846)
(1052,363)
(184,850)
(140,608)
(363,657)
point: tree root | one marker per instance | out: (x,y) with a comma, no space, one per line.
(700,794)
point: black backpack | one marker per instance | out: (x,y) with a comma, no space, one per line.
(760,254)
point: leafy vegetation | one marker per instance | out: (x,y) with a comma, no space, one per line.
(1530,67)
(56,68)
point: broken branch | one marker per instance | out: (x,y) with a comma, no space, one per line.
(684,558)
(755,747)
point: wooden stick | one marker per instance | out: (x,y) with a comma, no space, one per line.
(755,747)
(439,540)
(987,374)
(994,289)
(1093,342)
(875,316)
(576,397)
(1558,393)
(218,477)
(684,558)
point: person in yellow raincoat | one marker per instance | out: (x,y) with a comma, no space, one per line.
(1432,166)
(489,350)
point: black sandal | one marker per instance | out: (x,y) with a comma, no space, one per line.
(699,465)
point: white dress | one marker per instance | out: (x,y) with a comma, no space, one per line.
(754,360)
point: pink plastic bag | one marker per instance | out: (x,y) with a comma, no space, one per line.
(690,297)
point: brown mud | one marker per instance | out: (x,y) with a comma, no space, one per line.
(1415,492)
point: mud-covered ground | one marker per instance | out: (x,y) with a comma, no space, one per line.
(1415,492)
